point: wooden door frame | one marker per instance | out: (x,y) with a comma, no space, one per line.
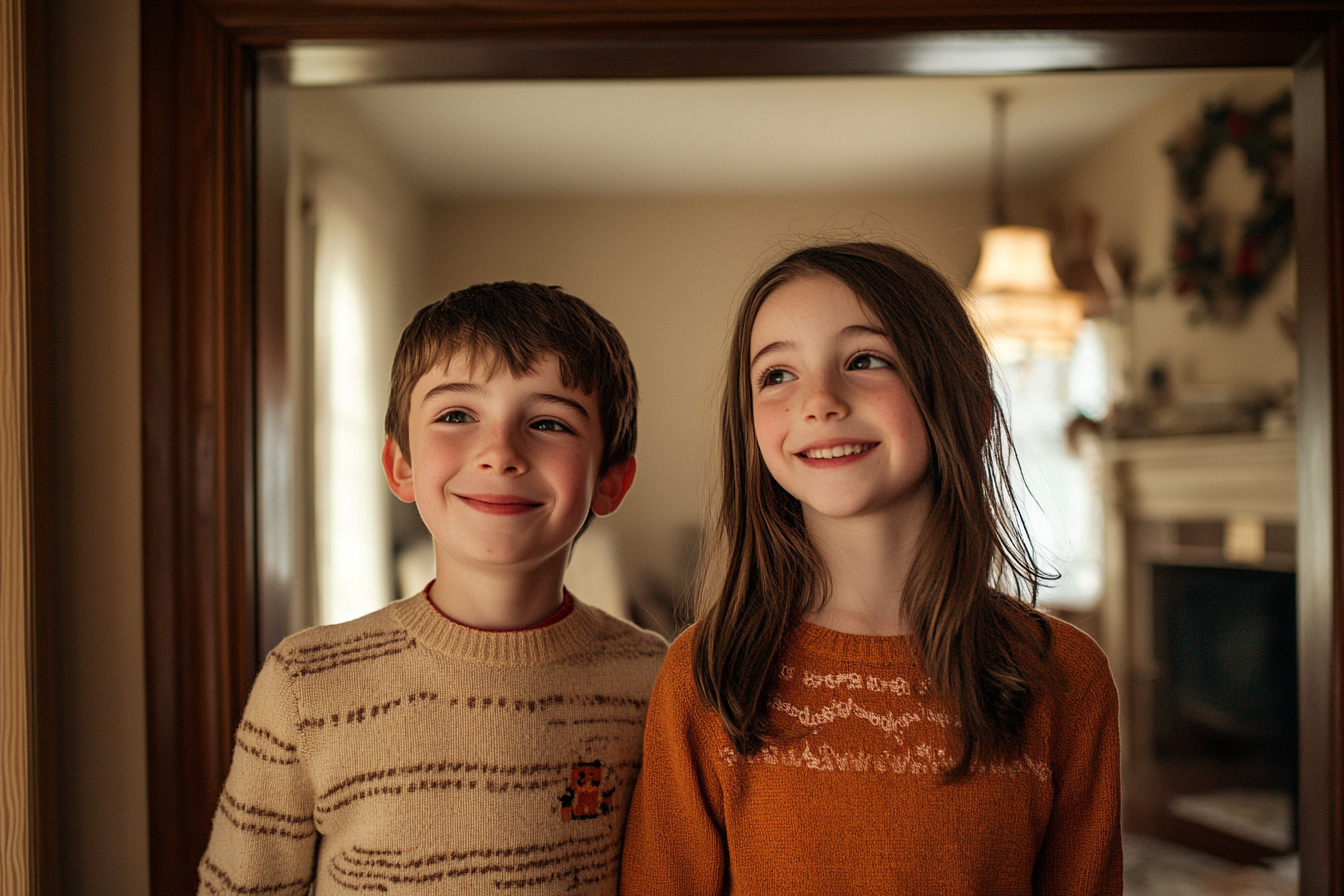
(27,717)
(210,355)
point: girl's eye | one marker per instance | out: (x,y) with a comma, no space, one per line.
(457,416)
(775,376)
(551,426)
(868,362)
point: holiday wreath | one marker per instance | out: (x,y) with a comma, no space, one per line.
(1198,266)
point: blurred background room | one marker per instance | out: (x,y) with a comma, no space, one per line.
(1154,414)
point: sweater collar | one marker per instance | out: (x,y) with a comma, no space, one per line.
(533,647)
(886,650)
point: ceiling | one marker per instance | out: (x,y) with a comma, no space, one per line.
(744,135)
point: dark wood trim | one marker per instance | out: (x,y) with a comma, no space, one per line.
(263,23)
(198,377)
(316,64)
(42,679)
(1319,142)
(204,387)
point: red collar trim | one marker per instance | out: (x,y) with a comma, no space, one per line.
(566,607)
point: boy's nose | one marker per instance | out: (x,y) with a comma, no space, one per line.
(501,452)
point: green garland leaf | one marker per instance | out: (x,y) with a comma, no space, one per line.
(1226,290)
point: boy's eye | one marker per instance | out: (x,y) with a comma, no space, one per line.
(551,426)
(868,362)
(456,416)
(775,376)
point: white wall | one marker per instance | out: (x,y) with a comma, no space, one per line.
(353,188)
(323,130)
(668,272)
(1129,181)
(95,415)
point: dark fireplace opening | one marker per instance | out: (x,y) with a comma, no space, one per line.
(1226,639)
(1224,704)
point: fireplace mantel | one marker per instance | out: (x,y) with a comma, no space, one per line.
(1178,501)
(1202,477)
(1175,479)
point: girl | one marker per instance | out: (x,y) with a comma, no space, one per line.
(869,702)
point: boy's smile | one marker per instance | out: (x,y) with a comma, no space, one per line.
(503,469)
(501,504)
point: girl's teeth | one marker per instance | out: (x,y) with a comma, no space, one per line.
(837,451)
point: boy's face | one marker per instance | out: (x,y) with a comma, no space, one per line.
(503,469)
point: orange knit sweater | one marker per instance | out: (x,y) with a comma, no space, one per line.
(849,798)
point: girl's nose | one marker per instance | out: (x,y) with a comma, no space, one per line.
(500,451)
(824,399)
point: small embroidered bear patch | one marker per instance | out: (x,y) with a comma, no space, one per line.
(584,797)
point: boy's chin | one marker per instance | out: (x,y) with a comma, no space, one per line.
(505,556)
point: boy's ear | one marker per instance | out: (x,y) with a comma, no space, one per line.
(613,486)
(397,469)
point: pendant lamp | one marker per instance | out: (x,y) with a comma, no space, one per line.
(1017,296)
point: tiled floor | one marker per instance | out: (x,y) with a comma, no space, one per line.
(1157,868)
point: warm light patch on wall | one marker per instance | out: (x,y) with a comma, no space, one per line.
(1244,538)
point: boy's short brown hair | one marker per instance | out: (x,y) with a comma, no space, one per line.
(513,324)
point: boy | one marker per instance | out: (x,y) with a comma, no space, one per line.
(485,734)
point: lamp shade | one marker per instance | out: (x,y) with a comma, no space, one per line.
(1018,295)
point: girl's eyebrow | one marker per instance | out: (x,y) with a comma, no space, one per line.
(768,350)
(860,330)
(851,330)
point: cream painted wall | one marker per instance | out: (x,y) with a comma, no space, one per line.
(327,143)
(324,130)
(1130,183)
(667,272)
(95,415)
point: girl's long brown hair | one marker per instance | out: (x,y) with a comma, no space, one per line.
(969,598)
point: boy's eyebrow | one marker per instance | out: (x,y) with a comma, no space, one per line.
(477,389)
(450,387)
(851,330)
(567,402)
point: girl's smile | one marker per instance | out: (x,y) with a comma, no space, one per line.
(839,451)
(834,420)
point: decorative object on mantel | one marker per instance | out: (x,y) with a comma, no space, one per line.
(1287,320)
(1018,297)
(1203,410)
(1225,292)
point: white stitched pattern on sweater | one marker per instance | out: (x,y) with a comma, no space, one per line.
(921,759)
(856,681)
(851,680)
(888,723)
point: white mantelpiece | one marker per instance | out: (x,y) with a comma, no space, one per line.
(1202,477)
(1180,479)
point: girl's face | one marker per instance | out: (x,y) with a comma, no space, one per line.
(835,423)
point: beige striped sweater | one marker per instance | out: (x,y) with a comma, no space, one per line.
(402,753)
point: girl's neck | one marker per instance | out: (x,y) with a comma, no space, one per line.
(868,559)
